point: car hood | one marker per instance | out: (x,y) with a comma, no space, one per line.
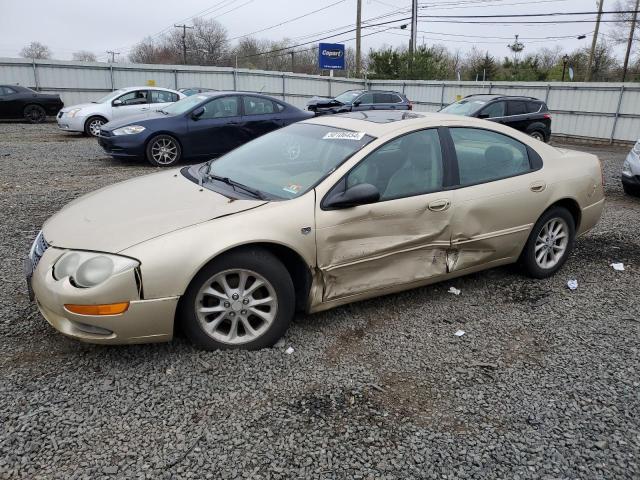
(140,119)
(117,217)
(323,102)
(80,105)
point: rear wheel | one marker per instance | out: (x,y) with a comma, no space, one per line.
(538,135)
(244,299)
(92,126)
(34,114)
(629,190)
(163,151)
(549,243)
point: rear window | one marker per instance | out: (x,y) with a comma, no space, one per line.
(534,107)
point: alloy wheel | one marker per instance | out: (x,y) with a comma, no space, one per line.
(94,126)
(35,114)
(236,306)
(164,151)
(551,243)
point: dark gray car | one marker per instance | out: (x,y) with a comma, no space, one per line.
(359,100)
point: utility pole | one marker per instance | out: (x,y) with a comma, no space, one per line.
(594,42)
(631,32)
(184,41)
(113,55)
(358,39)
(414,31)
(292,62)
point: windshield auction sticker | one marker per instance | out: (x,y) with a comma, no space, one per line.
(344,136)
(293,188)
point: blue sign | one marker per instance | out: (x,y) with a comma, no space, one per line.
(331,56)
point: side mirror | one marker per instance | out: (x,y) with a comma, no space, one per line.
(360,194)
(116,103)
(483,115)
(197,113)
(357,103)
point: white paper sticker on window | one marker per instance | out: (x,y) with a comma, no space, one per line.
(344,136)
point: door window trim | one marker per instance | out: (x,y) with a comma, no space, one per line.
(447,172)
(148,98)
(239,113)
(535,160)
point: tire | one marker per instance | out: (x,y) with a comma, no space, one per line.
(34,114)
(92,126)
(629,190)
(168,157)
(230,308)
(538,135)
(558,247)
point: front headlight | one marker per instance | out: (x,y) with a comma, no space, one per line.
(626,169)
(128,130)
(636,148)
(88,269)
(73,112)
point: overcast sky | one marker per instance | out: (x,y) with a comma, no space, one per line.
(70,25)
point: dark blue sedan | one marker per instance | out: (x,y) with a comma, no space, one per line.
(201,126)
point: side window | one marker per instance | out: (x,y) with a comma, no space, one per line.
(161,96)
(366,98)
(221,108)
(494,110)
(279,107)
(137,97)
(533,107)
(6,91)
(383,98)
(516,108)
(257,106)
(410,165)
(484,155)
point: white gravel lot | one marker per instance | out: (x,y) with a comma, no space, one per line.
(545,384)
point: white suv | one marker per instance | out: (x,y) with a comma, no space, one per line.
(125,102)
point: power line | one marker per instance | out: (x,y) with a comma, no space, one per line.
(523,15)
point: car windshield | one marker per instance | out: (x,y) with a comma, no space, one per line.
(348,97)
(464,107)
(110,96)
(184,105)
(288,162)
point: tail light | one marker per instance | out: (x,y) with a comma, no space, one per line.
(410,105)
(547,116)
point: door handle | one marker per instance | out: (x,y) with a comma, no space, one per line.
(538,187)
(439,205)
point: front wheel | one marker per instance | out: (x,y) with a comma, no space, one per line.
(549,243)
(243,299)
(34,114)
(92,126)
(163,151)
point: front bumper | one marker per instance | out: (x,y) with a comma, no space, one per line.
(123,145)
(631,172)
(70,124)
(145,321)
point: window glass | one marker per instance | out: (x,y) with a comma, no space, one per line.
(279,107)
(161,96)
(6,91)
(383,98)
(484,155)
(137,97)
(409,165)
(257,106)
(533,107)
(517,108)
(348,96)
(366,98)
(221,108)
(464,107)
(494,110)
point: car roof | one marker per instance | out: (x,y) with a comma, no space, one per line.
(494,96)
(146,87)
(220,93)
(382,122)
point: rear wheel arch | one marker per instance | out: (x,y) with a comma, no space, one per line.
(572,206)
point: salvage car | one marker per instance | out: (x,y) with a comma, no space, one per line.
(87,118)
(527,114)
(359,100)
(631,171)
(318,214)
(200,126)
(18,102)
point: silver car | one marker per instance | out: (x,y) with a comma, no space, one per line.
(631,171)
(125,102)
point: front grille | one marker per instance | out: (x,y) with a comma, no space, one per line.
(38,248)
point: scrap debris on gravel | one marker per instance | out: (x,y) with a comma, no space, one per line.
(544,383)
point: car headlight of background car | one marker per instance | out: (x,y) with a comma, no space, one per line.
(73,112)
(88,269)
(626,169)
(636,148)
(128,130)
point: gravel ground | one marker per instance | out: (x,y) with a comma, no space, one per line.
(544,384)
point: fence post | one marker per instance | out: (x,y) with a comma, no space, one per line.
(546,97)
(615,119)
(442,96)
(235,79)
(284,90)
(35,74)
(111,77)
(404,85)
(490,86)
(329,85)
(175,78)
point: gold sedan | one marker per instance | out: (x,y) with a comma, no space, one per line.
(325,212)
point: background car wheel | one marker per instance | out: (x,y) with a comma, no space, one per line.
(244,299)
(537,135)
(163,151)
(629,190)
(34,114)
(549,243)
(92,126)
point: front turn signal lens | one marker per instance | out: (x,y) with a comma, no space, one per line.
(108,309)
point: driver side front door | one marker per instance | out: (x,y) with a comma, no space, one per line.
(398,242)
(129,104)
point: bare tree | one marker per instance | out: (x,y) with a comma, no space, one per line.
(36,50)
(84,56)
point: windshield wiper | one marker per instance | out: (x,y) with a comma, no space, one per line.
(162,111)
(252,191)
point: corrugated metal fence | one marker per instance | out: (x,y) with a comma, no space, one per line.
(608,111)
